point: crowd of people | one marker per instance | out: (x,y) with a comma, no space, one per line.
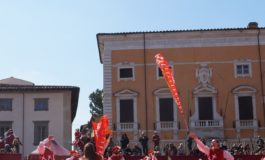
(195,147)
(9,143)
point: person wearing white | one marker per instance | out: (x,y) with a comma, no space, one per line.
(214,152)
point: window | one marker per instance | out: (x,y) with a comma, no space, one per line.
(166,109)
(126,73)
(205,108)
(4,126)
(5,104)
(160,73)
(41,104)
(126,111)
(41,129)
(242,69)
(245,108)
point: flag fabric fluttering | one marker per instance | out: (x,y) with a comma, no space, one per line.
(101,134)
(167,73)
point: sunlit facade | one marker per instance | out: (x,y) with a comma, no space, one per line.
(219,74)
(36,111)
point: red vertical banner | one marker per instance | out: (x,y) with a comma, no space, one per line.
(168,76)
(101,134)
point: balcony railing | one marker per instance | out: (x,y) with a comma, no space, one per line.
(206,123)
(127,126)
(166,125)
(246,123)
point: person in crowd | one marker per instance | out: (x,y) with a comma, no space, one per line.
(156,139)
(189,143)
(224,146)
(9,138)
(172,150)
(157,151)
(247,150)
(166,149)
(144,142)
(77,137)
(108,151)
(116,154)
(150,155)
(260,144)
(197,153)
(2,145)
(240,149)
(74,155)
(136,151)
(181,150)
(89,153)
(128,151)
(214,152)
(124,141)
(234,149)
(84,139)
(16,144)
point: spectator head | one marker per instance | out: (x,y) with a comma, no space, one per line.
(10,131)
(89,150)
(150,152)
(136,146)
(214,144)
(116,150)
(155,132)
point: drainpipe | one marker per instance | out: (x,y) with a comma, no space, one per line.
(23,123)
(261,74)
(145,87)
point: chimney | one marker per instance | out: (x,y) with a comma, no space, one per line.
(252,25)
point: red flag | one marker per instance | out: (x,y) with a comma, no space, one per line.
(167,73)
(101,134)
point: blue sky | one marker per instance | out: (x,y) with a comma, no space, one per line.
(53,42)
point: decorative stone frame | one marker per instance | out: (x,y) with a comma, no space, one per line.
(126,94)
(126,65)
(242,62)
(245,91)
(165,93)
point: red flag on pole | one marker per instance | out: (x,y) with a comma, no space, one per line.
(167,73)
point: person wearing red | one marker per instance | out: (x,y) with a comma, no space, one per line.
(116,154)
(150,156)
(77,137)
(74,155)
(9,137)
(214,152)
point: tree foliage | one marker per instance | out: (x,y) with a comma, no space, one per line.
(96,103)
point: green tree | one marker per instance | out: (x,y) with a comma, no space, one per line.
(96,103)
